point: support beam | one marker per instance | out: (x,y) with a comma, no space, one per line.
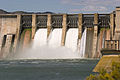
(34,27)
(48,25)
(17,35)
(117,28)
(95,35)
(79,26)
(64,29)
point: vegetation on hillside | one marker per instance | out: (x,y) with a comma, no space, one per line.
(114,74)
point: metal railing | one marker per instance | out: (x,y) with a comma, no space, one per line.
(112,44)
(41,21)
(26,20)
(57,21)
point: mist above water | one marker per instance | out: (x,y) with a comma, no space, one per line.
(43,48)
(46,52)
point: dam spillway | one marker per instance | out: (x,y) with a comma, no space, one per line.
(19,31)
(50,48)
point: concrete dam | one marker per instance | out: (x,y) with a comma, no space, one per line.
(83,34)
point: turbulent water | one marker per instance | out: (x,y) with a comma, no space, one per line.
(41,40)
(71,39)
(51,48)
(54,39)
(83,43)
(46,69)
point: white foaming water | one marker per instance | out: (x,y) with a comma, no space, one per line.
(83,43)
(71,39)
(40,38)
(52,50)
(55,38)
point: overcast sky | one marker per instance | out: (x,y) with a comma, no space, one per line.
(60,6)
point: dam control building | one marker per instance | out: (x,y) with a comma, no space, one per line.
(17,31)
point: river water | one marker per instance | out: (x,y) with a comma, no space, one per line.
(69,69)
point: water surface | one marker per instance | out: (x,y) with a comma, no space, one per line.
(46,69)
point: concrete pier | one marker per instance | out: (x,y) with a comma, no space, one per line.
(34,27)
(112,21)
(95,34)
(49,27)
(80,26)
(117,28)
(64,29)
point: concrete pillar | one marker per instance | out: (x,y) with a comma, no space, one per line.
(7,46)
(34,27)
(112,25)
(48,25)
(117,22)
(64,29)
(95,35)
(79,26)
(117,45)
(17,35)
(1,35)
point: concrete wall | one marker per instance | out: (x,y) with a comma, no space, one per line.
(117,22)
(100,42)
(89,43)
(8,27)
(104,34)
(26,39)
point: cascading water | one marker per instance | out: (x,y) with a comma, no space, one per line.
(51,49)
(83,43)
(54,39)
(41,40)
(71,39)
